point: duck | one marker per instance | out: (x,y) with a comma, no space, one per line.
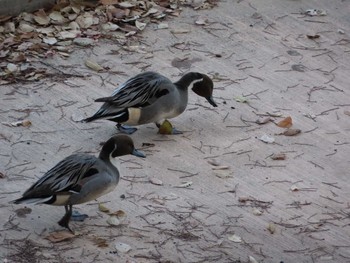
(80,178)
(150,97)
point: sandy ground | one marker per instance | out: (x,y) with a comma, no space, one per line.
(292,210)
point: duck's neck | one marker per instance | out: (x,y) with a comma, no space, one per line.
(188,80)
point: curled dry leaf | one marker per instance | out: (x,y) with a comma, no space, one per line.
(267,139)
(103,208)
(241,99)
(59,236)
(202,21)
(122,247)
(24,123)
(235,238)
(347,112)
(271,228)
(294,188)
(166,128)
(285,123)
(100,242)
(257,212)
(113,221)
(140,26)
(278,156)
(120,214)
(41,18)
(109,26)
(213,162)
(155,181)
(185,184)
(93,65)
(290,132)
(263,120)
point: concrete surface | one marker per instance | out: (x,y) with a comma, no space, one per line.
(251,50)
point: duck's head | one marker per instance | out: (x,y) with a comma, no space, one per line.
(119,145)
(203,87)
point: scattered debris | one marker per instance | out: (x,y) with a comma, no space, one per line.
(285,123)
(263,120)
(100,242)
(155,181)
(235,238)
(257,211)
(185,184)
(267,139)
(271,228)
(23,212)
(122,247)
(59,236)
(315,12)
(290,132)
(278,156)
(24,123)
(241,99)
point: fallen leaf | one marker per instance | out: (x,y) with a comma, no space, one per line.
(214,162)
(93,65)
(180,31)
(109,2)
(285,123)
(291,132)
(59,236)
(257,212)
(271,228)
(202,21)
(235,238)
(11,67)
(221,167)
(166,128)
(294,188)
(103,208)
(41,18)
(313,36)
(140,26)
(155,181)
(24,27)
(120,214)
(298,67)
(113,221)
(223,174)
(2,175)
(267,139)
(100,242)
(109,26)
(315,12)
(122,247)
(83,41)
(347,112)
(24,123)
(50,40)
(126,4)
(57,17)
(244,199)
(278,156)
(263,120)
(241,99)
(341,31)
(162,26)
(185,184)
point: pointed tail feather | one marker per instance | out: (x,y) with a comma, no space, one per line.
(104,99)
(34,200)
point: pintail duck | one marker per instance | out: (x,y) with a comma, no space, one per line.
(150,97)
(80,178)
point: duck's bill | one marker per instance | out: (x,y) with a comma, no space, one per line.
(138,153)
(211,101)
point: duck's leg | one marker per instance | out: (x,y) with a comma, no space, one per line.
(126,129)
(163,129)
(64,222)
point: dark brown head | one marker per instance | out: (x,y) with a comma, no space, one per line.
(204,88)
(119,145)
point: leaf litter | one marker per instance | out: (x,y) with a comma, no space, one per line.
(29,38)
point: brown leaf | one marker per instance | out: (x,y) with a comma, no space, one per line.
(278,156)
(109,2)
(59,236)
(291,132)
(166,128)
(263,120)
(100,242)
(285,123)
(41,18)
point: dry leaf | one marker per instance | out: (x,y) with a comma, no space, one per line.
(103,208)
(162,26)
(2,175)
(294,188)
(57,17)
(290,132)
(122,247)
(93,65)
(221,167)
(109,2)
(235,238)
(140,26)
(11,67)
(166,128)
(267,139)
(83,41)
(120,214)
(59,236)
(271,228)
(347,112)
(257,212)
(223,174)
(214,162)
(241,99)
(50,40)
(155,181)
(278,156)
(202,21)
(100,242)
(41,18)
(285,123)
(185,184)
(24,27)
(263,120)
(180,31)
(113,221)
(109,26)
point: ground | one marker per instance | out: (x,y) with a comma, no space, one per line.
(223,197)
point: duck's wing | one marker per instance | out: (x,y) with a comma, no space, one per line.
(67,176)
(141,90)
